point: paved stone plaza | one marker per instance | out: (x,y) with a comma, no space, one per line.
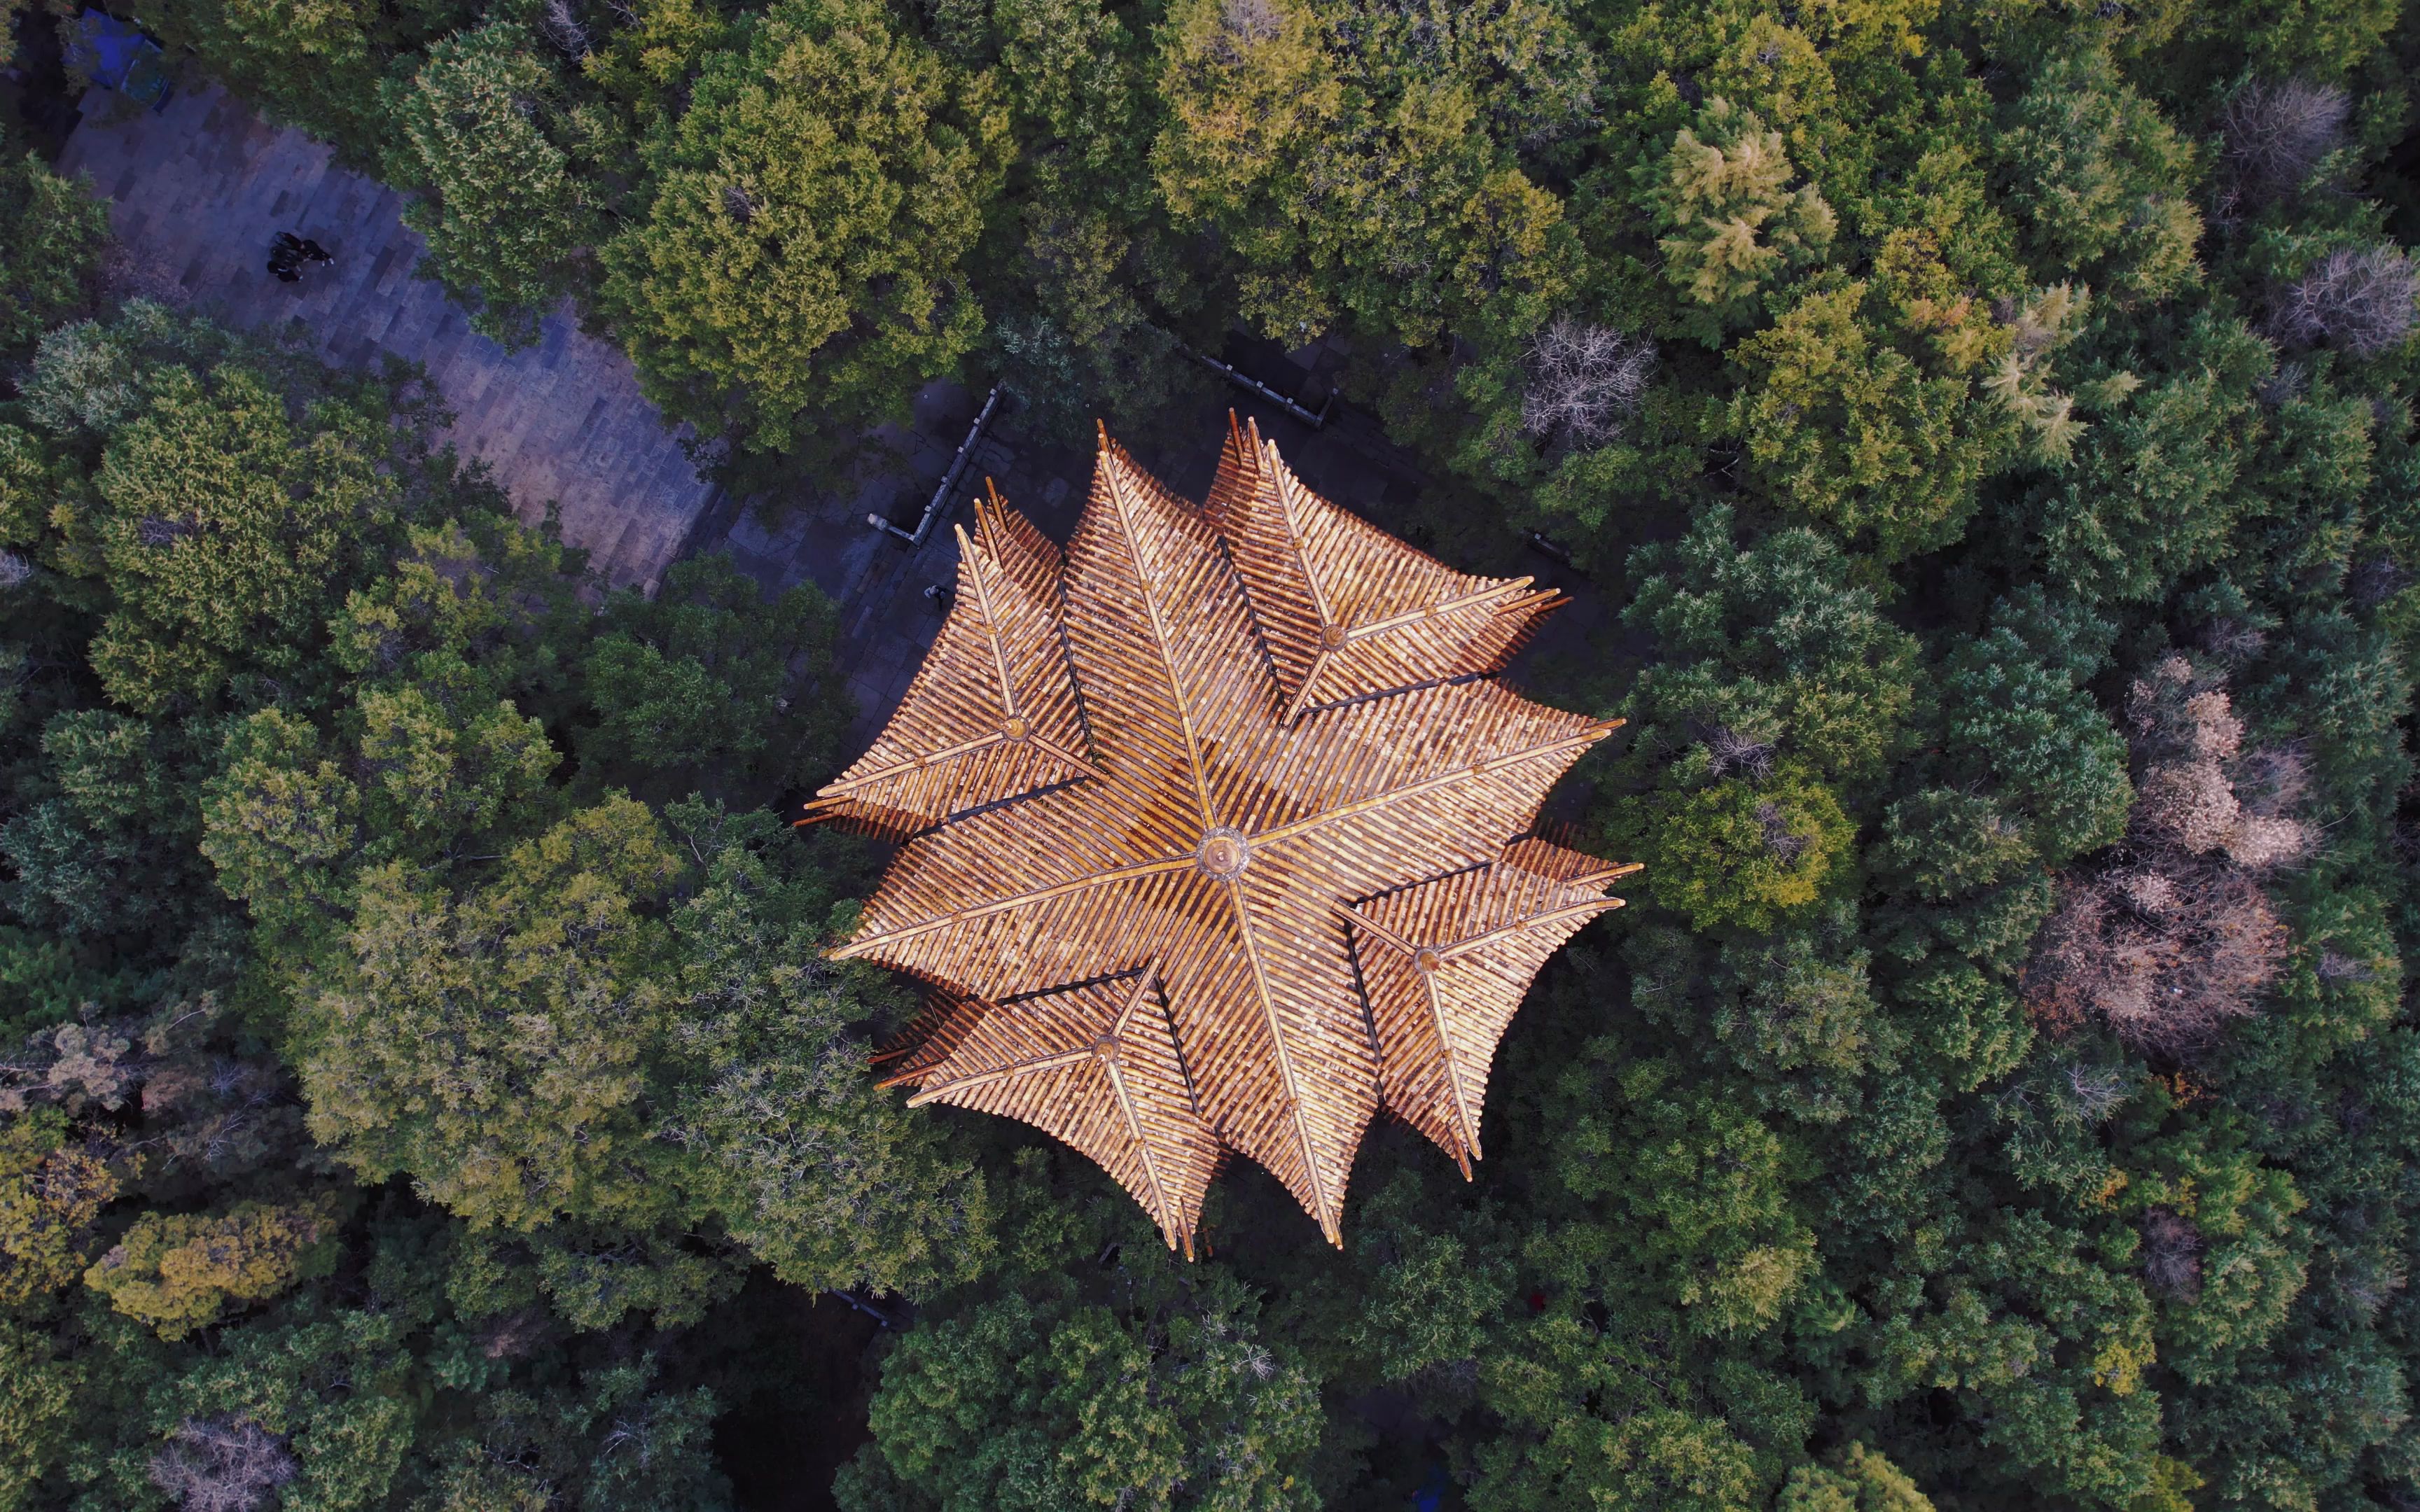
(198,190)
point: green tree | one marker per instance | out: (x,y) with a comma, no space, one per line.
(1731,225)
(1842,426)
(222,528)
(2101,181)
(507,222)
(282,827)
(619,1441)
(178,1273)
(1743,853)
(51,232)
(783,283)
(1419,215)
(36,1398)
(1618,1379)
(2160,492)
(1764,649)
(492,1044)
(239,494)
(1014,1404)
(2038,1331)
(1364,162)
(100,860)
(1074,333)
(789,1144)
(439,771)
(432,759)
(306,1407)
(2014,714)
(699,679)
(318,67)
(1250,95)
(1858,1480)
(51,1192)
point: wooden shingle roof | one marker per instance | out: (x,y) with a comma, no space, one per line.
(1257,862)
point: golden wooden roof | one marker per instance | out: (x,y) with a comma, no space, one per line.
(992,712)
(1215,834)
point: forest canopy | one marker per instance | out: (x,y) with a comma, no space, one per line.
(1986,431)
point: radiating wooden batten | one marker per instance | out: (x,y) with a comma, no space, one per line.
(1157,954)
(1349,610)
(1096,1065)
(992,713)
(946,1020)
(1445,963)
(1239,474)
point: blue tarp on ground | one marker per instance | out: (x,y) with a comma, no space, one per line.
(117,55)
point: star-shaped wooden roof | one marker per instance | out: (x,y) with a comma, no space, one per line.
(1216,834)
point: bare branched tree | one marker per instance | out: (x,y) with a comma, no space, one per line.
(2264,842)
(2172,1254)
(1727,751)
(2285,383)
(2357,299)
(2231,640)
(2167,980)
(2272,781)
(1247,22)
(2199,790)
(2375,579)
(737,204)
(152,529)
(222,1465)
(2277,134)
(1584,382)
(2188,804)
(562,28)
(1786,845)
(2097,1091)
(15,571)
(2177,712)
(2367,1284)
(2335,965)
(2174,939)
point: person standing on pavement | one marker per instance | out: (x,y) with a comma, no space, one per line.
(288,253)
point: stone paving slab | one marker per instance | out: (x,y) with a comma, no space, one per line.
(198,190)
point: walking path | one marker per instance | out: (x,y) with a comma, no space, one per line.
(199,189)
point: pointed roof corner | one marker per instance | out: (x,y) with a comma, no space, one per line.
(992,713)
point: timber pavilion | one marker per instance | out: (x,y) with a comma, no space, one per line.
(1216,834)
